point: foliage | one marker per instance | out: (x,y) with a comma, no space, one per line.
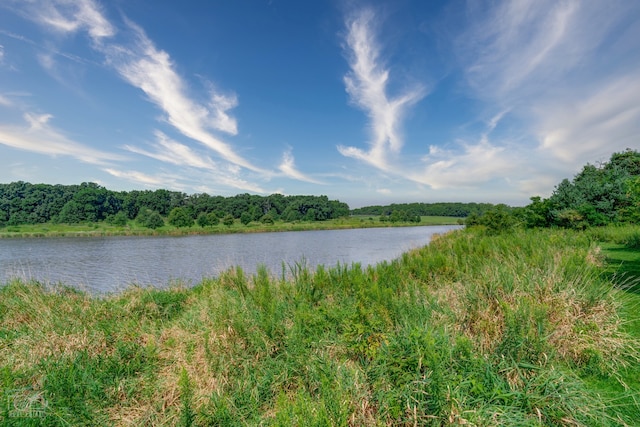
(424,209)
(180,217)
(25,203)
(207,219)
(400,215)
(474,329)
(245,218)
(119,219)
(228,220)
(597,195)
(149,219)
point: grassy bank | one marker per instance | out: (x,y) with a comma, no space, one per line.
(530,328)
(134,229)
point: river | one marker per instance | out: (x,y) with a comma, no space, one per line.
(110,264)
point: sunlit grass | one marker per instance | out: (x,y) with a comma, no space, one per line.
(134,229)
(516,329)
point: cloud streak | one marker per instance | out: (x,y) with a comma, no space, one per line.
(474,164)
(545,61)
(144,66)
(288,168)
(151,70)
(366,85)
(40,137)
(170,151)
(65,16)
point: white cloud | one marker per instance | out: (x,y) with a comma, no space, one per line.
(366,85)
(140,63)
(143,178)
(170,151)
(40,137)
(68,16)
(567,74)
(515,45)
(474,165)
(590,126)
(548,61)
(151,70)
(4,101)
(288,168)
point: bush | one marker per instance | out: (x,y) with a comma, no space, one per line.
(119,219)
(228,220)
(149,219)
(245,218)
(180,217)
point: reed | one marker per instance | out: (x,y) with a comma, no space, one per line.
(525,328)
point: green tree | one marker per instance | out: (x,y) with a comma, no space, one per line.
(180,217)
(245,218)
(203,220)
(213,218)
(497,220)
(537,213)
(267,218)
(150,219)
(228,220)
(119,219)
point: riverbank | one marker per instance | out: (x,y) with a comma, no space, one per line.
(528,328)
(102,229)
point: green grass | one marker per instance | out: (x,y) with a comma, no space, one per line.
(529,328)
(133,229)
(621,256)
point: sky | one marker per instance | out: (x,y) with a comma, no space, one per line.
(367,102)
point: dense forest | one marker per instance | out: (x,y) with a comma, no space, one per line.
(606,193)
(413,211)
(25,203)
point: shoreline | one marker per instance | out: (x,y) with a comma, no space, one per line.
(107,230)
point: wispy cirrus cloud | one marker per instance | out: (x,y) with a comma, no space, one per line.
(367,85)
(64,16)
(140,63)
(170,151)
(547,62)
(288,168)
(37,135)
(589,126)
(144,66)
(466,167)
(158,180)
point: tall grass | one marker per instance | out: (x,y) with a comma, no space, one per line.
(470,330)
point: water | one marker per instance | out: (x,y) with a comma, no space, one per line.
(110,264)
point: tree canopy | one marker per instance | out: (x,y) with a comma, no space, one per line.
(606,193)
(25,203)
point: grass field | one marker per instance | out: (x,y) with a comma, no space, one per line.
(530,328)
(133,229)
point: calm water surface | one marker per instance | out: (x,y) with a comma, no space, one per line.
(110,264)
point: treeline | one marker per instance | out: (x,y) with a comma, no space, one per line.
(408,211)
(607,193)
(25,203)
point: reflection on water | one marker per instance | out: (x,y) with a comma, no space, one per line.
(108,264)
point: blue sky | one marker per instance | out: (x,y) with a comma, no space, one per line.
(368,102)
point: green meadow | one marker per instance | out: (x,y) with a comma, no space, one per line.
(528,328)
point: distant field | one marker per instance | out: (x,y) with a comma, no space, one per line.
(133,229)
